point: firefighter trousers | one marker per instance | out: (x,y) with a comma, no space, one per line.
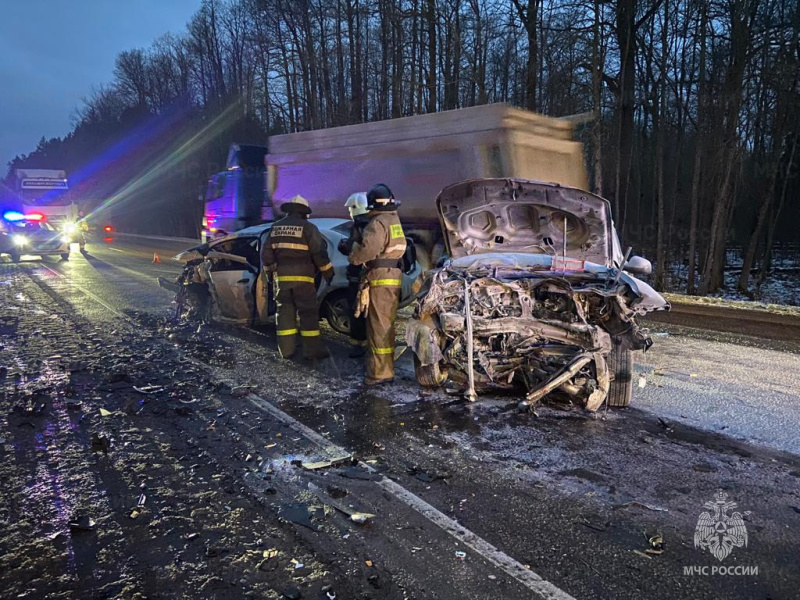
(358,325)
(383,301)
(299,301)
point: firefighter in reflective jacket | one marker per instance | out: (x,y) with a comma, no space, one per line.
(380,251)
(295,250)
(357,205)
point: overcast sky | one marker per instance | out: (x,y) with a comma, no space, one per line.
(52,52)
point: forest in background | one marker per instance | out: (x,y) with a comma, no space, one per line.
(695,106)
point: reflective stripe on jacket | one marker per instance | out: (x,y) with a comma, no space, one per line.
(297,249)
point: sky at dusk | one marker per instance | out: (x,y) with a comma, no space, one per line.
(53,52)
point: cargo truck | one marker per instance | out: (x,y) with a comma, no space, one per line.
(46,192)
(236,198)
(415,156)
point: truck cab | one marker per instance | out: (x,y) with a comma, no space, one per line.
(236,198)
(46,192)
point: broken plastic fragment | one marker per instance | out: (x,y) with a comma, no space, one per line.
(105,413)
(461,555)
(81,524)
(323,464)
(361,518)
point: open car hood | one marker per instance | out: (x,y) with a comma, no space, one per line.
(481,216)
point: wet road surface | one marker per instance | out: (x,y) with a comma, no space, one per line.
(575,499)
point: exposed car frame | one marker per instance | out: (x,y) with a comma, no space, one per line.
(534,294)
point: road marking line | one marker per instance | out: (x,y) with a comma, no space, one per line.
(543,588)
(526,577)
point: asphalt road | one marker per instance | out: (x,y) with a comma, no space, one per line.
(555,505)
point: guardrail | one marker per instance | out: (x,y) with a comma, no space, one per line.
(757,322)
(155,237)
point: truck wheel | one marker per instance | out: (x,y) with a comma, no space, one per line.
(336,309)
(620,367)
(429,375)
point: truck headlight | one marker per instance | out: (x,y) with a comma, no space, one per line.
(66,239)
(70,228)
(20,240)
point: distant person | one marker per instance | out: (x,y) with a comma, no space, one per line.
(296,251)
(81,229)
(380,251)
(357,205)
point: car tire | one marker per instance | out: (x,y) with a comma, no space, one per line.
(337,311)
(620,367)
(65,256)
(429,375)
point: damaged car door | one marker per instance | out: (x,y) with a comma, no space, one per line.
(232,272)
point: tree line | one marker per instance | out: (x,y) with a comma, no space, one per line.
(695,104)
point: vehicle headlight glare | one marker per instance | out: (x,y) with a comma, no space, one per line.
(66,239)
(20,240)
(70,228)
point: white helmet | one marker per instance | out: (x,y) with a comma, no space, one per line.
(357,204)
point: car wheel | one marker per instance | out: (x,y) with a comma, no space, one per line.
(65,256)
(620,367)
(337,311)
(429,375)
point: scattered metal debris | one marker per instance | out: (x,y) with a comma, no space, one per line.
(359,518)
(324,464)
(640,505)
(149,389)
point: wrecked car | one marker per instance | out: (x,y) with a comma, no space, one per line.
(534,294)
(222,279)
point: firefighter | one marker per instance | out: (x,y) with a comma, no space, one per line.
(357,205)
(380,252)
(296,251)
(82,228)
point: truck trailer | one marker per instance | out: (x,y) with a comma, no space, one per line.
(419,156)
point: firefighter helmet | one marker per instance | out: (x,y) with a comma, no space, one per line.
(357,204)
(296,204)
(380,196)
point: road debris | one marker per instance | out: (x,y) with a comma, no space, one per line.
(461,555)
(149,389)
(656,544)
(297,513)
(640,505)
(324,464)
(81,524)
(359,518)
(359,473)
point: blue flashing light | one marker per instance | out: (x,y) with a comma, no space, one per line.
(13,215)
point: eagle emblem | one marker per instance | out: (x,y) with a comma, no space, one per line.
(720,532)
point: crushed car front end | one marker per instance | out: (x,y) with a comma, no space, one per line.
(541,321)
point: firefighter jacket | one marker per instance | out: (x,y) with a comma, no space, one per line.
(356,236)
(296,250)
(381,249)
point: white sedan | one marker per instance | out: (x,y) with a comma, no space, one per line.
(230,266)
